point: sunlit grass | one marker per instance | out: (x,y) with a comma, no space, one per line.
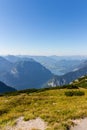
(53,106)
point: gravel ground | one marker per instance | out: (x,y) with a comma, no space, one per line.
(80,124)
(36,124)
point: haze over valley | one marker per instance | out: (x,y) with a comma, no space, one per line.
(26,72)
(43,64)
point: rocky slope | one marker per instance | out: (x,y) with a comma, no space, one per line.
(67,78)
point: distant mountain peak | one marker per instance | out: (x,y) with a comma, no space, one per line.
(26,74)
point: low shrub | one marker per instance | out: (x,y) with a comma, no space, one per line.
(74,93)
(3,111)
(71,86)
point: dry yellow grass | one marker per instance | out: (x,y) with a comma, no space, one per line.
(50,105)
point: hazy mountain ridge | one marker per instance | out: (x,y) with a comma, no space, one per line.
(58,65)
(14,59)
(26,74)
(83,64)
(4,88)
(5,65)
(67,78)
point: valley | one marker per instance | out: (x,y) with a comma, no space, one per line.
(37,95)
(43,65)
(23,72)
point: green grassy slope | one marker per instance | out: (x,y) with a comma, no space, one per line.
(53,106)
(81,82)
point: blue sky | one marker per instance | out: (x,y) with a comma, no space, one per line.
(43,27)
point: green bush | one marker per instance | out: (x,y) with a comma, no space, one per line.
(70,86)
(3,111)
(74,93)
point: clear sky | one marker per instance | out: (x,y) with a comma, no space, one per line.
(43,27)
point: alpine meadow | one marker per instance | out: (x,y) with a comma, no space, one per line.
(43,65)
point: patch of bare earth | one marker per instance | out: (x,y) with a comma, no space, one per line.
(35,124)
(80,124)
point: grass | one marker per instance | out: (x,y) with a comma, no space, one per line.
(81,82)
(53,106)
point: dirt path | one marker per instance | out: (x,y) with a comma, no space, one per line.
(36,124)
(80,124)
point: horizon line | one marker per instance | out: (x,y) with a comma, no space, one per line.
(84,55)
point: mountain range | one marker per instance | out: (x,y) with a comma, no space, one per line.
(58,65)
(69,77)
(24,72)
